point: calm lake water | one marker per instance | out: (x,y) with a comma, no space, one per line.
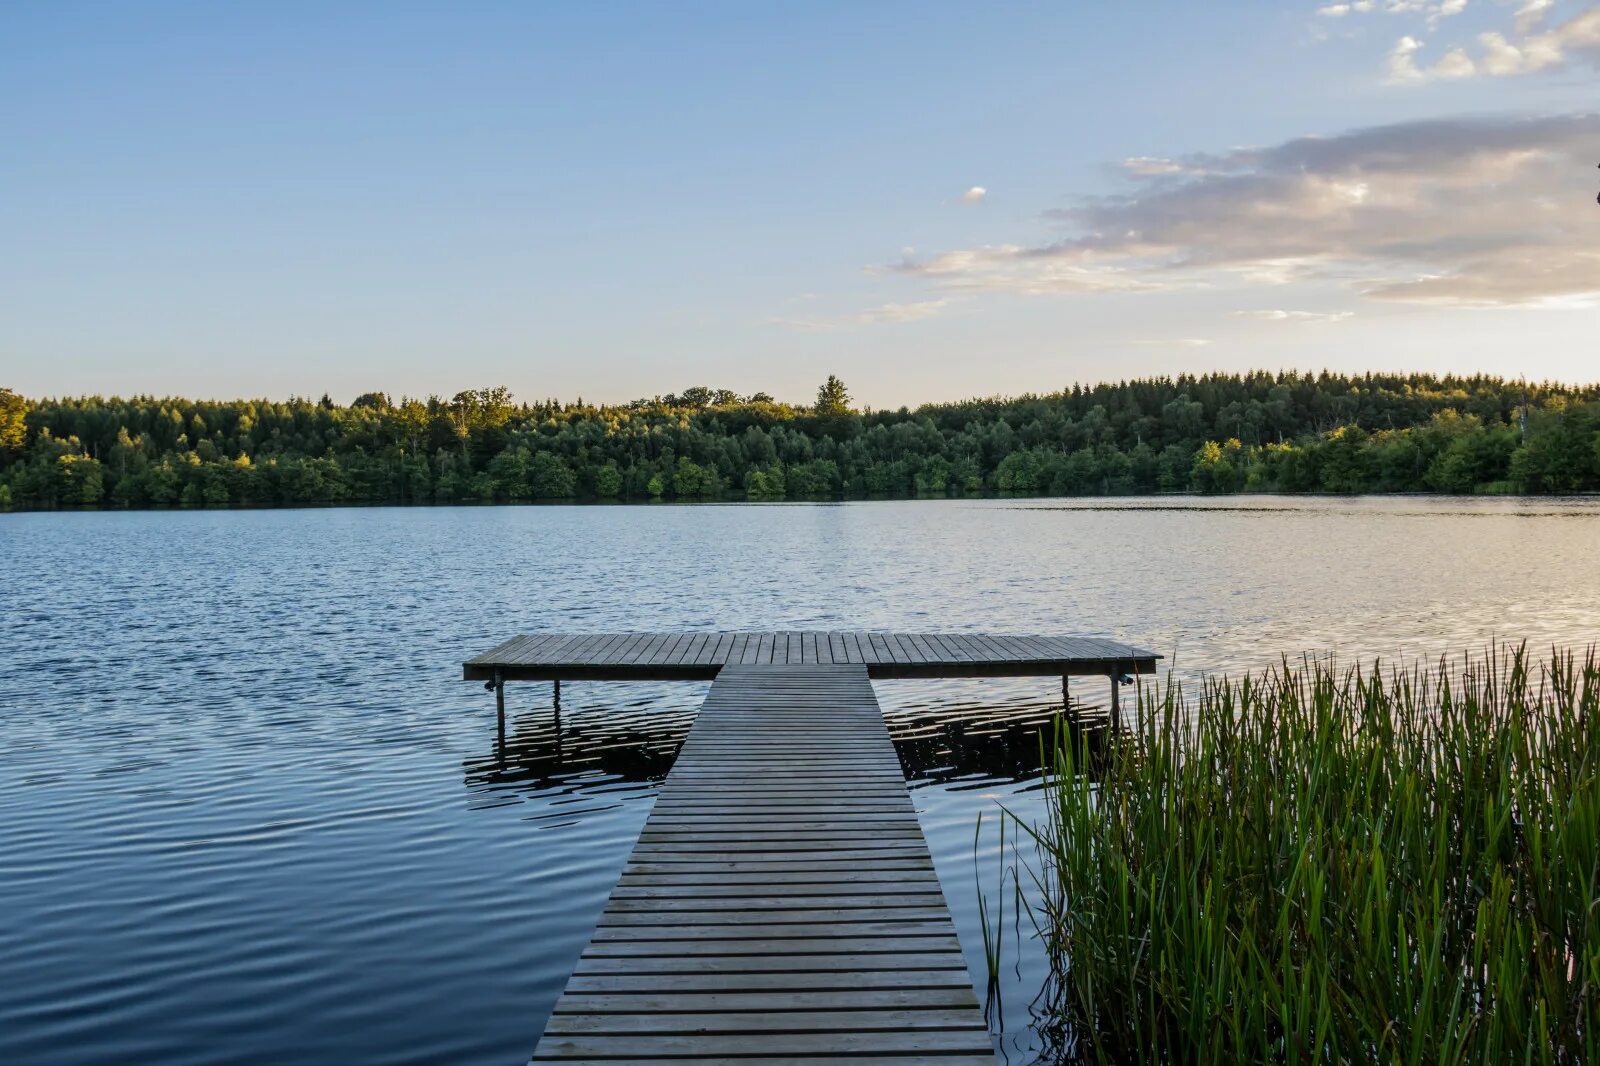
(248,812)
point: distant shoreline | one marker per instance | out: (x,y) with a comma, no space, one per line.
(1212,435)
(735,501)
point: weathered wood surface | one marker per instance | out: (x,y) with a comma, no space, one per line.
(691,656)
(781,904)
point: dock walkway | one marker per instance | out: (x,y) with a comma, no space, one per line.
(780,905)
(780,900)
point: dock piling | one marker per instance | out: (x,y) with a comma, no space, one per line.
(499,684)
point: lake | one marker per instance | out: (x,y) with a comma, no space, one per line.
(249,812)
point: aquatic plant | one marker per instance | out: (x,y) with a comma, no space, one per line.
(1324,865)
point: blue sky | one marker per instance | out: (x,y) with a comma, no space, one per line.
(616,200)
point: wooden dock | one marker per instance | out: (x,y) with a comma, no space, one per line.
(780,905)
(699,656)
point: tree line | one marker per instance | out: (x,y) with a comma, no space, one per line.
(1213,433)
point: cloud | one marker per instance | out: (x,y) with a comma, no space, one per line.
(1402,64)
(1527,52)
(1175,342)
(1435,11)
(974,194)
(1278,315)
(1295,316)
(1035,271)
(1147,166)
(1447,9)
(1466,211)
(883,313)
(1531,14)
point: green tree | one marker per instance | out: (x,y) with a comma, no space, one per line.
(833,398)
(81,479)
(688,480)
(550,477)
(608,481)
(13,422)
(1214,469)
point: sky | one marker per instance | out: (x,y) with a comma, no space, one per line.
(932,200)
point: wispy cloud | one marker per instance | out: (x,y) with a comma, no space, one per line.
(1147,166)
(888,313)
(1276,315)
(974,195)
(1470,211)
(1531,15)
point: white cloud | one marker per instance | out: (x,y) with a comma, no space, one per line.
(1531,14)
(1402,67)
(1435,11)
(1455,64)
(1577,39)
(883,313)
(974,195)
(1447,9)
(903,312)
(1147,166)
(1471,211)
(1275,315)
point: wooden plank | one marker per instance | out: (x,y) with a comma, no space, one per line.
(628,650)
(542,647)
(584,1002)
(496,653)
(785,1020)
(868,1046)
(713,649)
(865,983)
(687,648)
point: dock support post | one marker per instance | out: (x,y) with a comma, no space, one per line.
(555,703)
(1066,700)
(500,713)
(1116,703)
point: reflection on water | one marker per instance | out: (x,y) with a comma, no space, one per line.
(580,749)
(601,748)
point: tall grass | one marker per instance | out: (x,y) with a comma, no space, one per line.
(1312,865)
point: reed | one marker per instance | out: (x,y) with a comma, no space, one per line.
(1321,865)
(993,934)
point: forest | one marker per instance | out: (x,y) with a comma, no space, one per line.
(1284,432)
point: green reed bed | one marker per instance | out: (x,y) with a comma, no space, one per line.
(1314,865)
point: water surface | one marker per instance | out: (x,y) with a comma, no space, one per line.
(249,812)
